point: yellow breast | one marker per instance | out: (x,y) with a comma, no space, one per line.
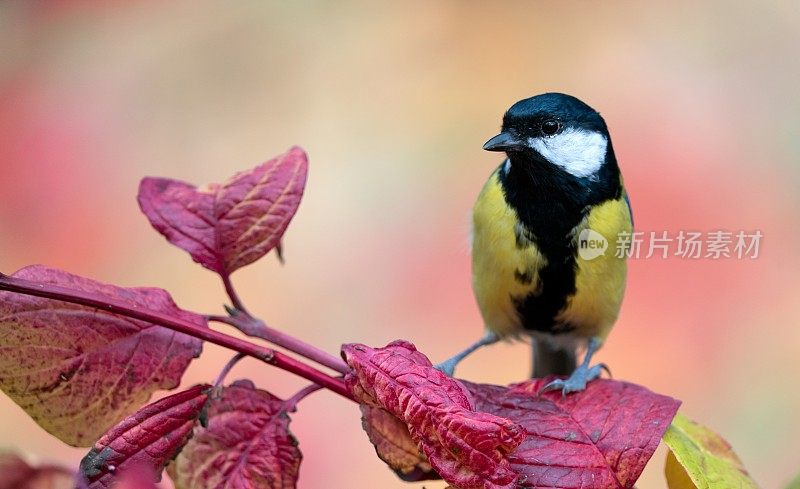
(495,258)
(600,281)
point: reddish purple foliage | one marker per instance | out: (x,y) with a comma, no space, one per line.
(484,436)
(225,227)
(394,445)
(468,449)
(140,446)
(246,444)
(598,438)
(77,370)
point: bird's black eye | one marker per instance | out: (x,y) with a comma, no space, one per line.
(550,127)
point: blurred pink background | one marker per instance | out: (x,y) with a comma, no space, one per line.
(392,103)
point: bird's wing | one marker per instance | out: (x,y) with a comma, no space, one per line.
(630,207)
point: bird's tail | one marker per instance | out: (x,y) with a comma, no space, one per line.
(549,360)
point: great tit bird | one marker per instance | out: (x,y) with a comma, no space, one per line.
(548,246)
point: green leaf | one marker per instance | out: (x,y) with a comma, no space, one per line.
(701,459)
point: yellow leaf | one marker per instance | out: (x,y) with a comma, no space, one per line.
(701,459)
(677,478)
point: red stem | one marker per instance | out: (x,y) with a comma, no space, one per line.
(291,403)
(277,359)
(242,320)
(255,327)
(235,301)
(227,369)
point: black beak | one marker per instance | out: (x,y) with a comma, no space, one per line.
(503,142)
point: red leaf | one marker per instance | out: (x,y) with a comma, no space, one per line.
(468,449)
(77,370)
(598,438)
(140,446)
(228,226)
(394,445)
(247,444)
(15,473)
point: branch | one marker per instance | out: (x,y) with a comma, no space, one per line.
(227,369)
(277,359)
(291,403)
(255,327)
(245,322)
(250,325)
(235,301)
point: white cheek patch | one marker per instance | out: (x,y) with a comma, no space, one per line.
(577,151)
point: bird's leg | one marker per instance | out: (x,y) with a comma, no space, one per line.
(449,365)
(581,375)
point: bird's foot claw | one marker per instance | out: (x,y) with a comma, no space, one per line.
(577,381)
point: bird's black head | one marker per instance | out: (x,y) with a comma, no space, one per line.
(557,131)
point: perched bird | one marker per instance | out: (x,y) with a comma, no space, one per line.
(548,238)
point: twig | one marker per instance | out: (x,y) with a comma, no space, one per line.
(237,303)
(227,368)
(242,320)
(255,327)
(291,403)
(277,359)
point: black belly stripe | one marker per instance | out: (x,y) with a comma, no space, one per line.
(538,310)
(550,203)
